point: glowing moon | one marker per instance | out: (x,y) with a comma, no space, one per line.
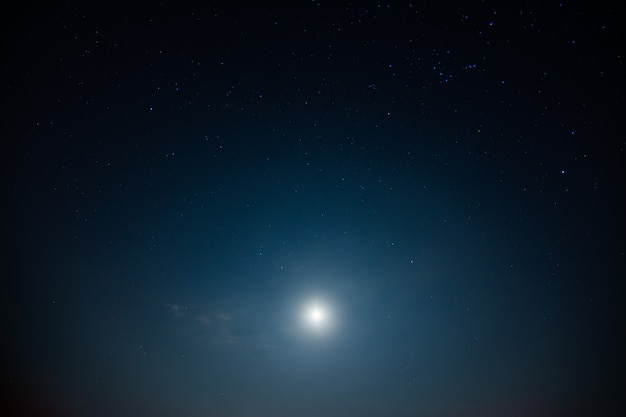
(317,316)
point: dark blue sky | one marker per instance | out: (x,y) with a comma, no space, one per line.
(180,184)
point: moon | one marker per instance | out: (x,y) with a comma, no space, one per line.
(317,316)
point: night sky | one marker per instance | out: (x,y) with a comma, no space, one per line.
(318,209)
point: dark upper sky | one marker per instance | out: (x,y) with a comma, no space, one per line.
(180,185)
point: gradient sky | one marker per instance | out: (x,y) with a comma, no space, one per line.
(445,179)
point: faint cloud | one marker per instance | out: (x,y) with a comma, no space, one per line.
(232,325)
(177,310)
(213,319)
(205,320)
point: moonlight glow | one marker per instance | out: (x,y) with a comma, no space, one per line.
(316,316)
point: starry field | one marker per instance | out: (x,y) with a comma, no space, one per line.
(316,209)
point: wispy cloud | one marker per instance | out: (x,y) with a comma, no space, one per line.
(177,310)
(233,324)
